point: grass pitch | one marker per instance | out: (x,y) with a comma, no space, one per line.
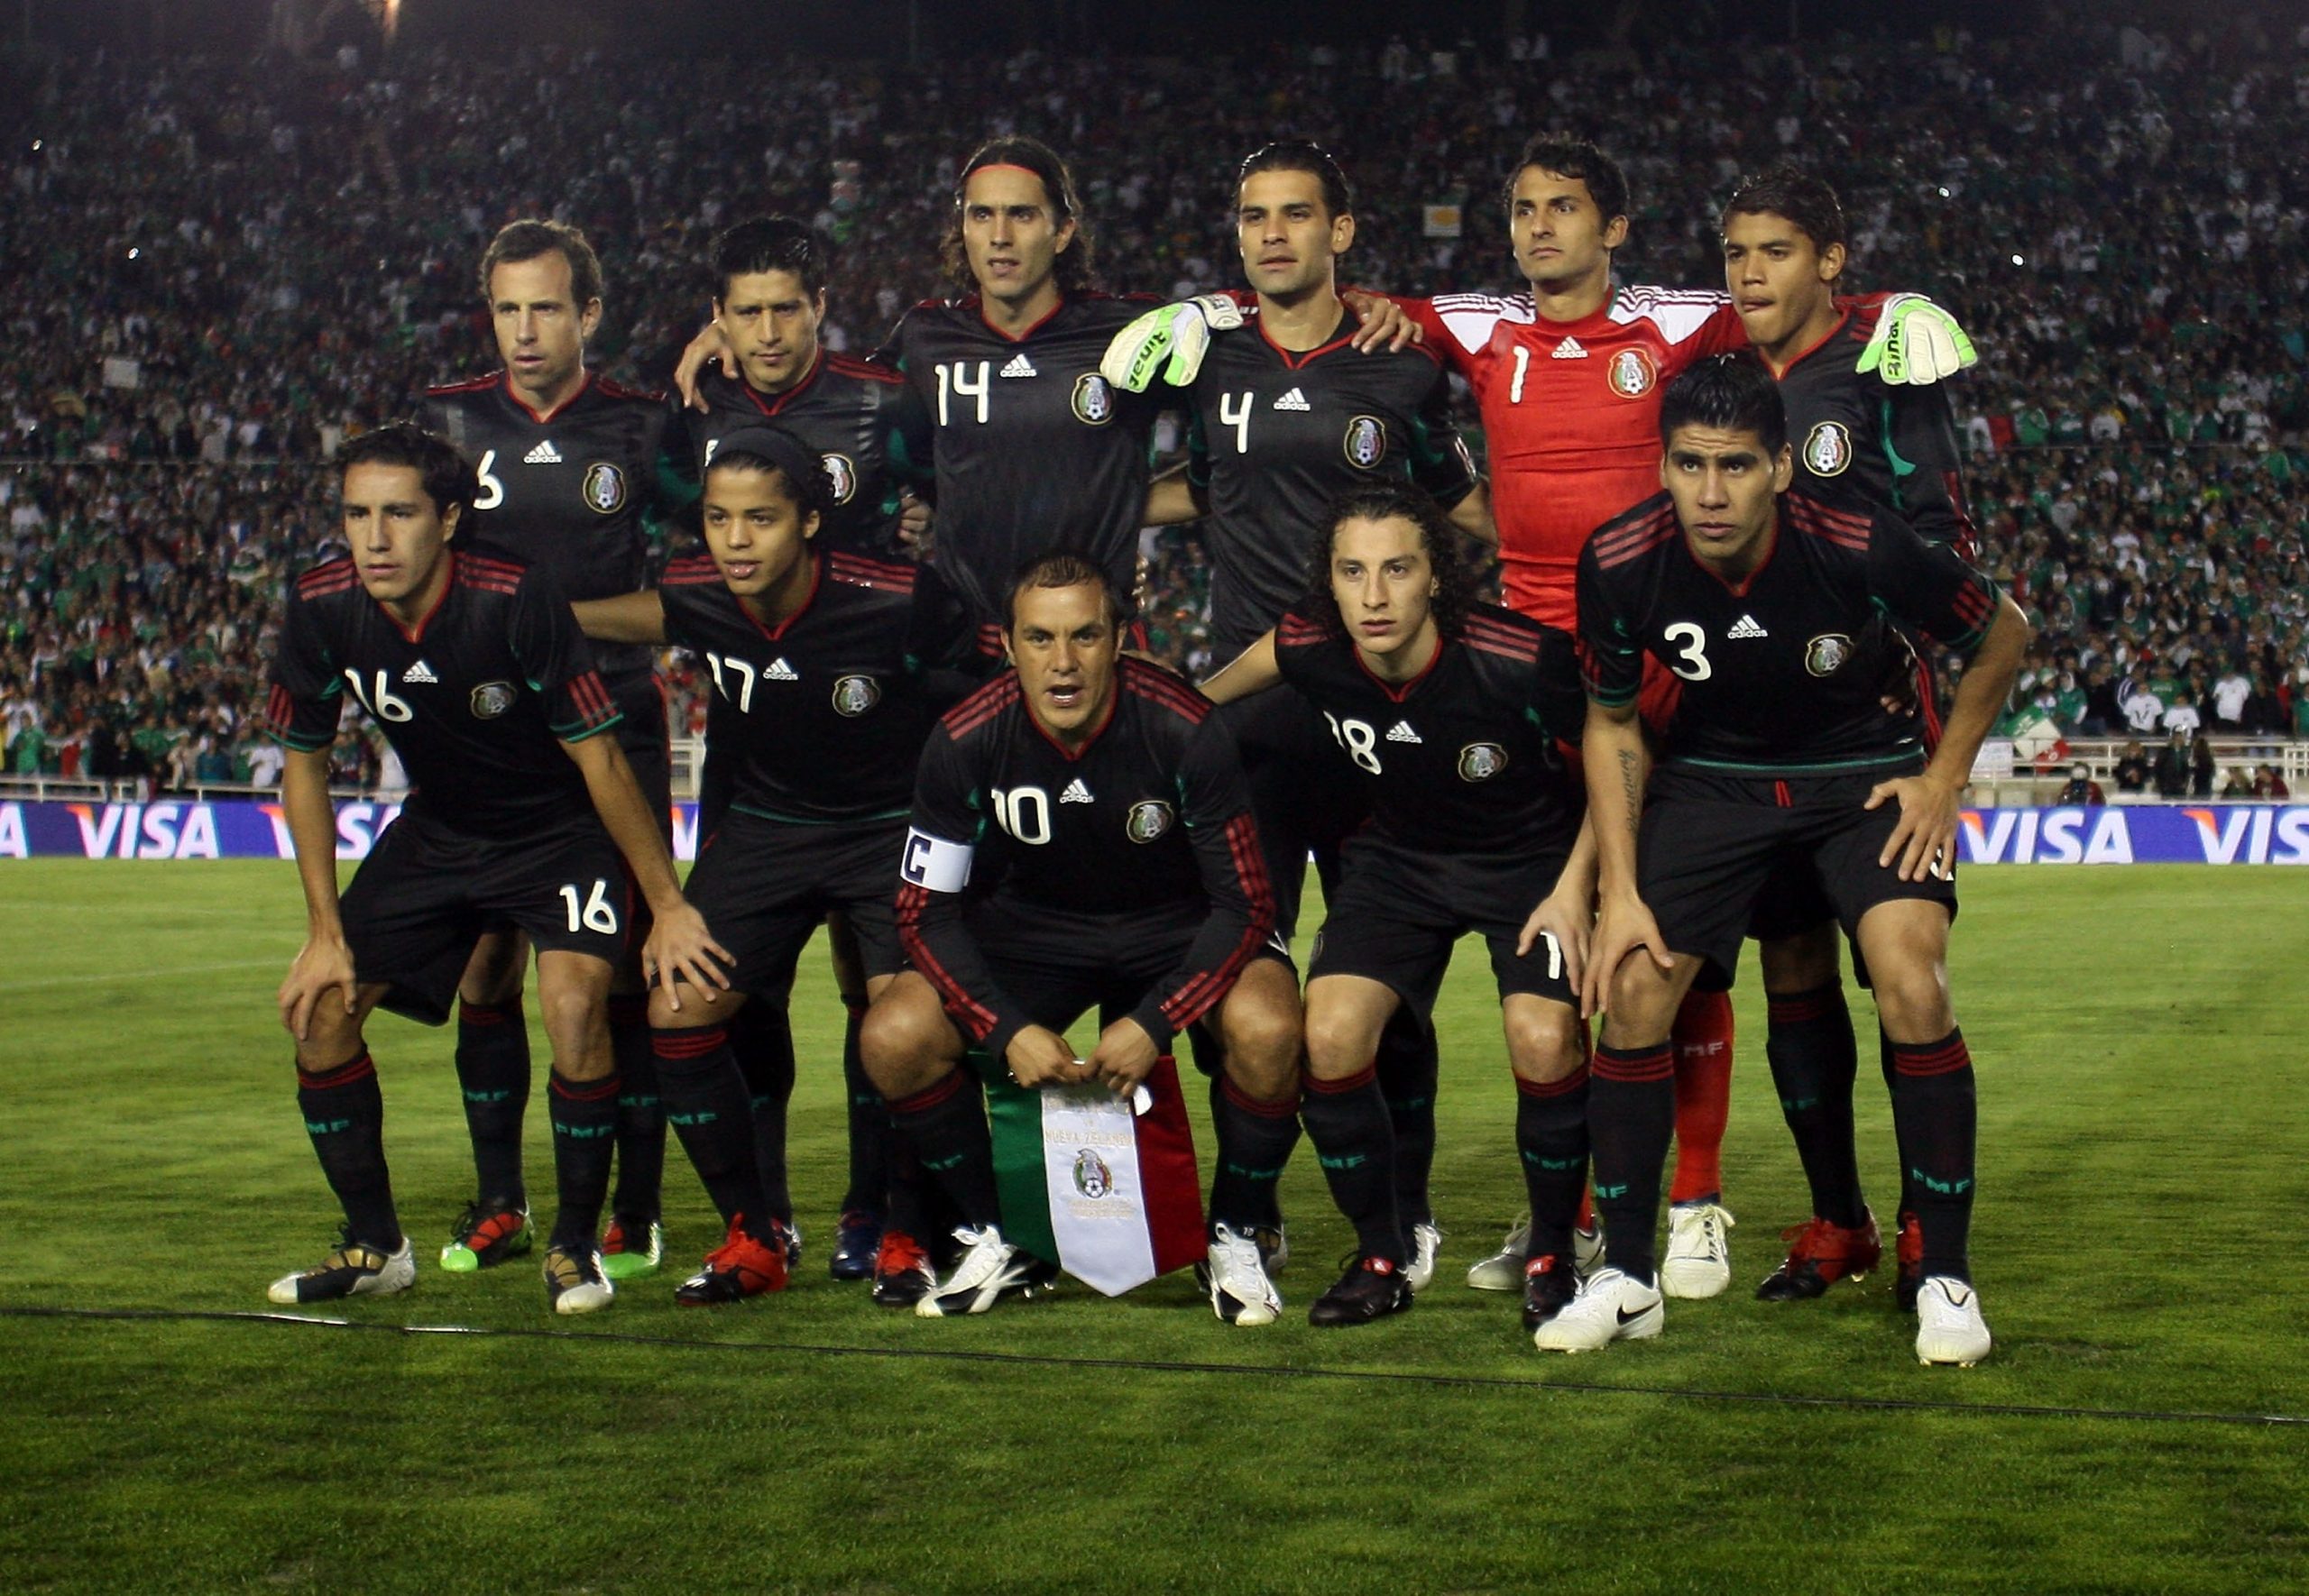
(2143,1149)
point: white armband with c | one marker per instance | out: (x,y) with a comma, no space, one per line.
(935,863)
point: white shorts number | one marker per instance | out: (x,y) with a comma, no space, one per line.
(596,915)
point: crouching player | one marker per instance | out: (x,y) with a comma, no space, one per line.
(1082,837)
(819,658)
(470,664)
(1770,607)
(1454,710)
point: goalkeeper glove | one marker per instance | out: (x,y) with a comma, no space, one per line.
(1180,331)
(1917,342)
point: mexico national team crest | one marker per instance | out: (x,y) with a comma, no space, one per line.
(1366,443)
(1828,449)
(1149,819)
(842,476)
(490,700)
(1092,1179)
(1631,374)
(1479,762)
(604,488)
(1824,655)
(1094,401)
(854,696)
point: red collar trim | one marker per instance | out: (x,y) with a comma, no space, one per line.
(1114,702)
(816,365)
(1742,589)
(1022,336)
(1394,692)
(1842,320)
(817,576)
(1293,361)
(416,634)
(544,416)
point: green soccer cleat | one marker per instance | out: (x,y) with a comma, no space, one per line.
(632,1249)
(486,1236)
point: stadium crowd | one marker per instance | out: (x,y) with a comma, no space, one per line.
(221,271)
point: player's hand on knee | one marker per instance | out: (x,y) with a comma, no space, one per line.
(1923,843)
(1125,1056)
(712,343)
(1563,928)
(1039,1056)
(322,966)
(681,949)
(1624,927)
(1386,324)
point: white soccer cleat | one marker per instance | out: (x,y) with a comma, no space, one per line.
(573,1280)
(1426,1242)
(1612,1305)
(352,1268)
(1949,1328)
(1236,1277)
(989,1267)
(1587,1247)
(1504,1269)
(1699,1252)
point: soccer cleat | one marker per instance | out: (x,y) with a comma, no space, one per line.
(487,1234)
(1587,1248)
(1819,1254)
(856,1239)
(1235,1275)
(1426,1242)
(575,1281)
(632,1248)
(902,1272)
(352,1268)
(990,1268)
(1550,1283)
(1504,1269)
(1949,1328)
(740,1266)
(1699,1255)
(1907,1272)
(1274,1247)
(1611,1305)
(1371,1288)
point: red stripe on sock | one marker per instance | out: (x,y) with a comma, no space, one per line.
(1940,1057)
(586,1091)
(1552,1088)
(360,1066)
(688,1044)
(1285,1109)
(930,1096)
(1653,1064)
(1333,1088)
(488,1014)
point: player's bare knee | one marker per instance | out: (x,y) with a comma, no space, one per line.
(1801,963)
(1912,1000)
(1263,1033)
(1543,1040)
(1641,1007)
(905,1042)
(494,975)
(694,1012)
(1338,1044)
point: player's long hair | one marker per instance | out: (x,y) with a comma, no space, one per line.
(1444,544)
(447,476)
(1786,190)
(1077,266)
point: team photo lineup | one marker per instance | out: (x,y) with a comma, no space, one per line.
(1734,550)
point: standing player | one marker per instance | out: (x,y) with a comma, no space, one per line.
(1454,711)
(470,663)
(568,461)
(1768,608)
(1120,870)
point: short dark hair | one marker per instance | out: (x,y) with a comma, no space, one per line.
(1732,393)
(527,239)
(1569,157)
(776,451)
(770,244)
(1076,267)
(1443,543)
(1786,189)
(1301,155)
(447,476)
(1061,569)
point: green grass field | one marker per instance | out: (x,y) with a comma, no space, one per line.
(2144,1130)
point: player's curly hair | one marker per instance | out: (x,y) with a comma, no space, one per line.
(448,477)
(1569,157)
(1729,393)
(527,239)
(1444,547)
(1786,190)
(1077,266)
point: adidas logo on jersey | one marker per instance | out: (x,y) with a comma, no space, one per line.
(1076,793)
(779,671)
(1019,366)
(1569,349)
(1746,626)
(1293,400)
(420,673)
(545,453)
(1401,732)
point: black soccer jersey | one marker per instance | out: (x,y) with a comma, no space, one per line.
(1783,674)
(1275,437)
(1860,438)
(1034,450)
(867,426)
(1466,756)
(568,491)
(1149,816)
(826,713)
(472,698)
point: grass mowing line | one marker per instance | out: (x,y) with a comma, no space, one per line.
(1176,1366)
(142,975)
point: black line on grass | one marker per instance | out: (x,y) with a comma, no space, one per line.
(1173,1366)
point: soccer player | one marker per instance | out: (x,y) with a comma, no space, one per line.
(1081,838)
(568,462)
(811,649)
(1454,713)
(1766,605)
(470,663)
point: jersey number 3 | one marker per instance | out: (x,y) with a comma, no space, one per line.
(1690,644)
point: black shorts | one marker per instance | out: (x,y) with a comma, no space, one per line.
(423,895)
(1713,848)
(1305,795)
(642,734)
(765,885)
(1058,965)
(1401,910)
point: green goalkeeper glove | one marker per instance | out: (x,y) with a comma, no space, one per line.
(1917,342)
(1180,331)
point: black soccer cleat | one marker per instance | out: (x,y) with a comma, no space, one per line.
(1550,1283)
(1371,1288)
(855,1240)
(902,1272)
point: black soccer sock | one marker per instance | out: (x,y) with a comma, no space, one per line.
(1355,1143)
(910,1194)
(585,1140)
(707,1106)
(1934,1103)
(1254,1143)
(1551,1140)
(945,1124)
(1885,1056)
(870,1122)
(763,1039)
(1408,1069)
(345,1115)
(640,1117)
(1813,1062)
(1631,1119)
(494,1076)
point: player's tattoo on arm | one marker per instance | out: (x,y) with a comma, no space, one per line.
(1632,785)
